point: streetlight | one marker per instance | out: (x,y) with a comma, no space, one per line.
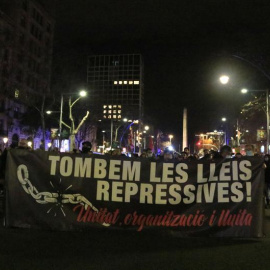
(5,140)
(223,119)
(170,137)
(146,128)
(82,93)
(267,113)
(103,142)
(224,79)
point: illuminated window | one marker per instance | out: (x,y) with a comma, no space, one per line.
(115,82)
(110,106)
(115,106)
(105,111)
(119,111)
(130,82)
(104,116)
(119,106)
(109,111)
(109,116)
(136,82)
(104,106)
(125,82)
(119,116)
(114,111)
(120,82)
(114,116)
(17,92)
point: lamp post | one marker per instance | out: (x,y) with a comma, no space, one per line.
(5,140)
(103,140)
(224,119)
(82,93)
(224,79)
(244,91)
(170,137)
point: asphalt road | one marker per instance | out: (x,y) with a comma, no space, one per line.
(114,249)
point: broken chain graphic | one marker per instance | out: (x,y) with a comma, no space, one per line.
(50,197)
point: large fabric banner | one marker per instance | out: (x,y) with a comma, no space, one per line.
(196,198)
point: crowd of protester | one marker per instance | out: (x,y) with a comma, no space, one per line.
(166,156)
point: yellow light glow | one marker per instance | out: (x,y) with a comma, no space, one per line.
(120,82)
(130,82)
(136,82)
(224,79)
(125,82)
(83,93)
(115,82)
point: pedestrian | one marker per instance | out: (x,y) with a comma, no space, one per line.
(86,147)
(249,149)
(186,149)
(168,155)
(267,180)
(226,151)
(238,155)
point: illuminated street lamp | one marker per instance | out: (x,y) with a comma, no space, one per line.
(146,128)
(223,119)
(244,91)
(82,93)
(170,137)
(224,79)
(5,140)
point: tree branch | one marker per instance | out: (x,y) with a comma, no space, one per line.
(66,125)
(81,123)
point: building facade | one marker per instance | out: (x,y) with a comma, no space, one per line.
(26,40)
(116,86)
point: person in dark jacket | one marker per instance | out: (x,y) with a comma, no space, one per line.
(267,179)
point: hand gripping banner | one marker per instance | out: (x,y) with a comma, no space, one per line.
(194,198)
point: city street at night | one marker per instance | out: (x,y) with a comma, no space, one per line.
(134,134)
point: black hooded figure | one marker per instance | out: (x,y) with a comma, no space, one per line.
(86,147)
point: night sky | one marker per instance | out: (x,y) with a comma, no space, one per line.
(186,45)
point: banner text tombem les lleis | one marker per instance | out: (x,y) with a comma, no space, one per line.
(167,183)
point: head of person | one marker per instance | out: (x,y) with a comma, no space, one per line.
(143,155)
(186,149)
(149,153)
(116,152)
(168,155)
(86,147)
(23,144)
(205,152)
(226,151)
(238,155)
(267,158)
(249,149)
(184,154)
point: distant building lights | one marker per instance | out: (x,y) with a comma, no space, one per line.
(136,82)
(115,82)
(125,82)
(120,82)
(130,82)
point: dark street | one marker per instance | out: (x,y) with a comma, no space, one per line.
(115,249)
